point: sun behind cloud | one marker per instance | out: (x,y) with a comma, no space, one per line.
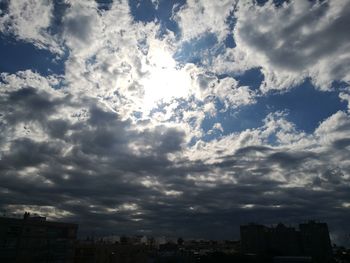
(165,80)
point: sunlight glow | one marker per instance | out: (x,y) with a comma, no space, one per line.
(165,80)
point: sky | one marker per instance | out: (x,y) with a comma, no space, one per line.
(176,117)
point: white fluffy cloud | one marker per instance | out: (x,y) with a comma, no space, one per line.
(345,96)
(291,42)
(199,17)
(29,21)
(82,27)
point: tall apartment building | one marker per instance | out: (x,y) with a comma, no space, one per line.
(33,239)
(311,239)
(315,241)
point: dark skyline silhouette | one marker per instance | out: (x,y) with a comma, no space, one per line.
(33,238)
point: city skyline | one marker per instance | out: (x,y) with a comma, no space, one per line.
(180,118)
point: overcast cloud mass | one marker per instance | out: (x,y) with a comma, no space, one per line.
(181,118)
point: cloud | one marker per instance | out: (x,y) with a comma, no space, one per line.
(345,96)
(208,16)
(30,21)
(291,42)
(114,173)
(82,152)
(82,26)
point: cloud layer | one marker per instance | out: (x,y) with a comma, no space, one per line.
(291,42)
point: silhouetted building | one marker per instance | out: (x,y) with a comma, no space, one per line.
(254,239)
(312,239)
(33,239)
(315,241)
(284,240)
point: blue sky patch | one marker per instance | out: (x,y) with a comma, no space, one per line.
(252,78)
(19,55)
(305,106)
(200,50)
(234,119)
(104,5)
(145,11)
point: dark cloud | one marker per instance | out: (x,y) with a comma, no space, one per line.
(310,41)
(27,104)
(252,150)
(88,166)
(292,49)
(342,143)
(26,153)
(57,128)
(79,27)
(286,159)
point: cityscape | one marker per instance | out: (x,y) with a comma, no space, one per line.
(33,238)
(162,131)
